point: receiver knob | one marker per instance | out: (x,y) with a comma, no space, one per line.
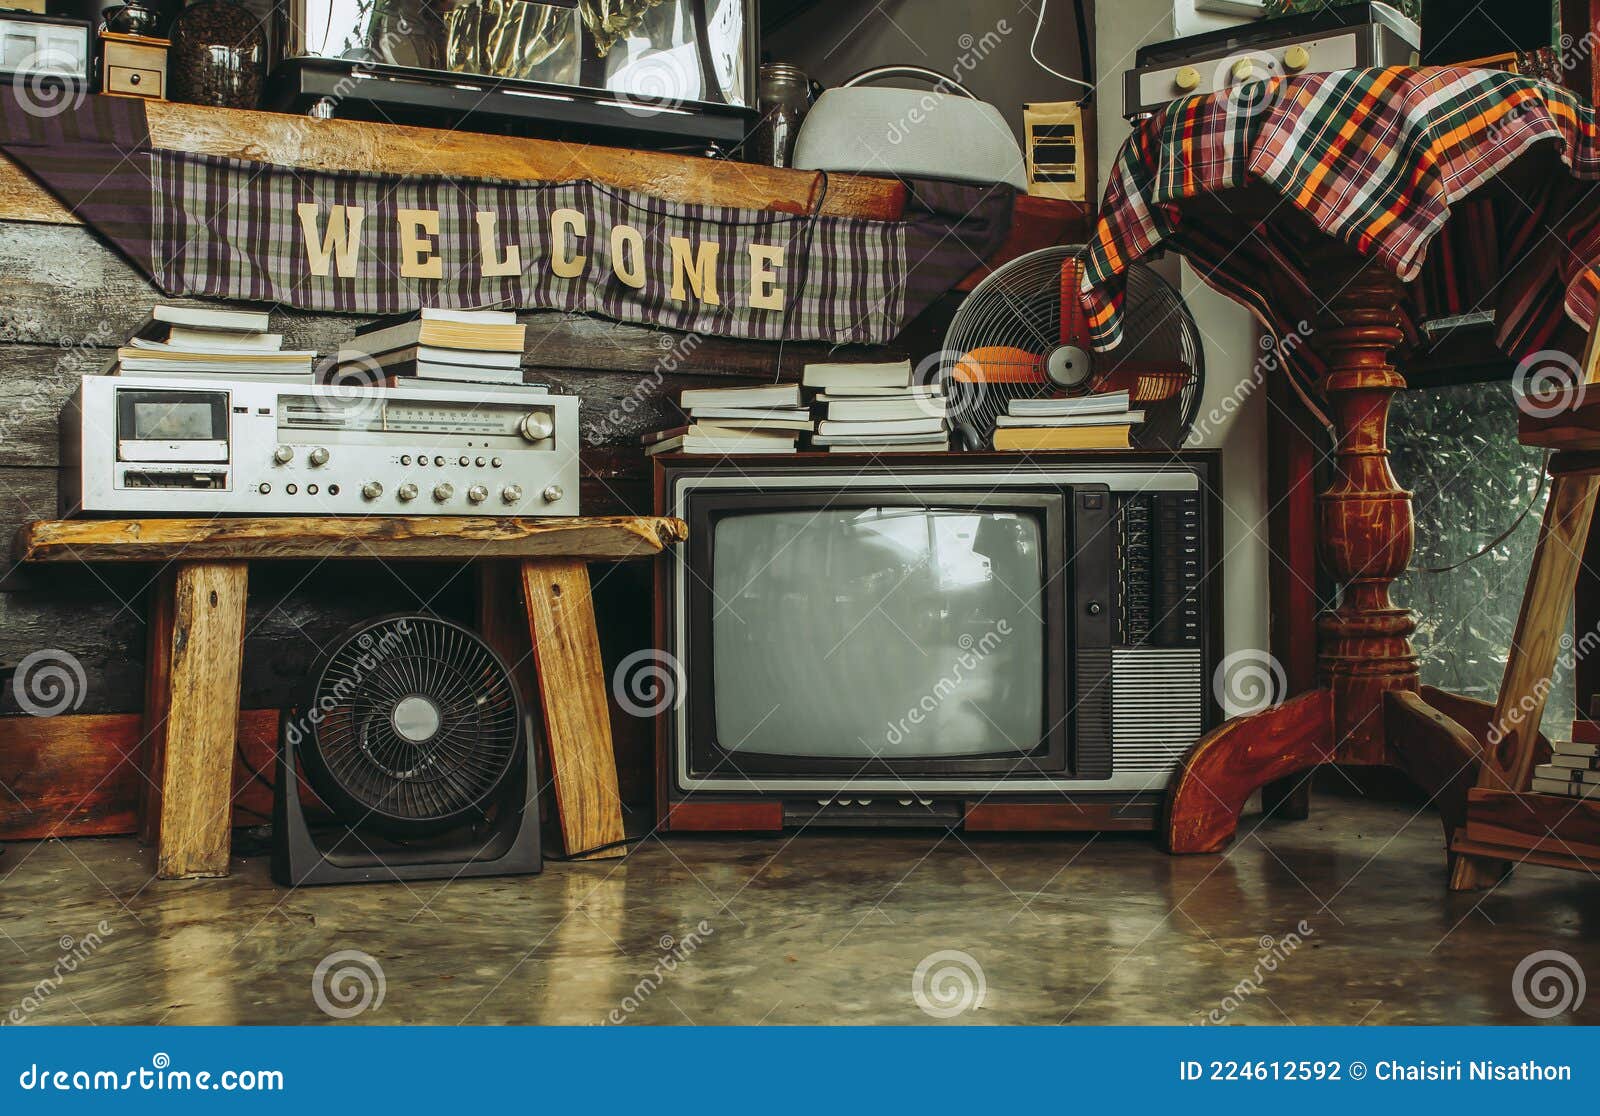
(477,494)
(537,426)
(443,492)
(372,490)
(1296,58)
(553,494)
(283,455)
(511,494)
(1186,79)
(318,456)
(1242,69)
(407,491)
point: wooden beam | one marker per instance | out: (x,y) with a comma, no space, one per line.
(606,538)
(331,145)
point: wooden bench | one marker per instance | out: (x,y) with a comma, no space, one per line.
(529,568)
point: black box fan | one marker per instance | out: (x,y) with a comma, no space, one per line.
(412,733)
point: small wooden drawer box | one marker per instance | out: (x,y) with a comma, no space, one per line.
(133,65)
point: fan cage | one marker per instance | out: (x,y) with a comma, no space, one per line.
(1019,306)
(414,724)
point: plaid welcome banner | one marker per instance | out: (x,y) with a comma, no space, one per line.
(365,243)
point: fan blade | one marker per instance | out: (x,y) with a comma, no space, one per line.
(1074,322)
(999,364)
(1144,382)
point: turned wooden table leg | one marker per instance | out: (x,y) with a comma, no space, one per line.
(572,690)
(196,644)
(1364,540)
(1364,519)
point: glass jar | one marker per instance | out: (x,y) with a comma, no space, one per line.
(218,55)
(783,96)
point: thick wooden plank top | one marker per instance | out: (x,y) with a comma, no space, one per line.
(295,141)
(593,538)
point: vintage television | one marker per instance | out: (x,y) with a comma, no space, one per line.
(980,640)
(650,73)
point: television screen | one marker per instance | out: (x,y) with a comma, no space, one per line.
(890,632)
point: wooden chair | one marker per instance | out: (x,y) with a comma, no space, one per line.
(1504,823)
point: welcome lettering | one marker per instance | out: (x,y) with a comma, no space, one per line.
(333,244)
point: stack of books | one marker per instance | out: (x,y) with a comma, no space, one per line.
(1100,421)
(765,419)
(200,344)
(1573,770)
(875,408)
(471,349)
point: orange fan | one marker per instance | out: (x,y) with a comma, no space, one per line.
(1022,333)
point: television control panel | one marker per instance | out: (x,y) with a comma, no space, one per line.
(1162,558)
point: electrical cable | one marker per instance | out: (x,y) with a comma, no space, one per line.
(607,847)
(1087,81)
(1544,480)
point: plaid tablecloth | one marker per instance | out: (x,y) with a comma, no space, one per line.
(1379,159)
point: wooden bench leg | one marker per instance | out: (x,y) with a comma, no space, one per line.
(192,716)
(572,691)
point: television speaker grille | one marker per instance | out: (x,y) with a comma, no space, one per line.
(1158,706)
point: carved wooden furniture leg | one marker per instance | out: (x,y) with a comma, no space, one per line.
(572,690)
(1435,752)
(192,716)
(1231,761)
(1364,520)
(1509,746)
(1294,445)
(1364,540)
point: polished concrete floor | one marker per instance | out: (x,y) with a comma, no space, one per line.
(835,927)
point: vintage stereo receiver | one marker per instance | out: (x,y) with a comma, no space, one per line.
(1344,37)
(167,445)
